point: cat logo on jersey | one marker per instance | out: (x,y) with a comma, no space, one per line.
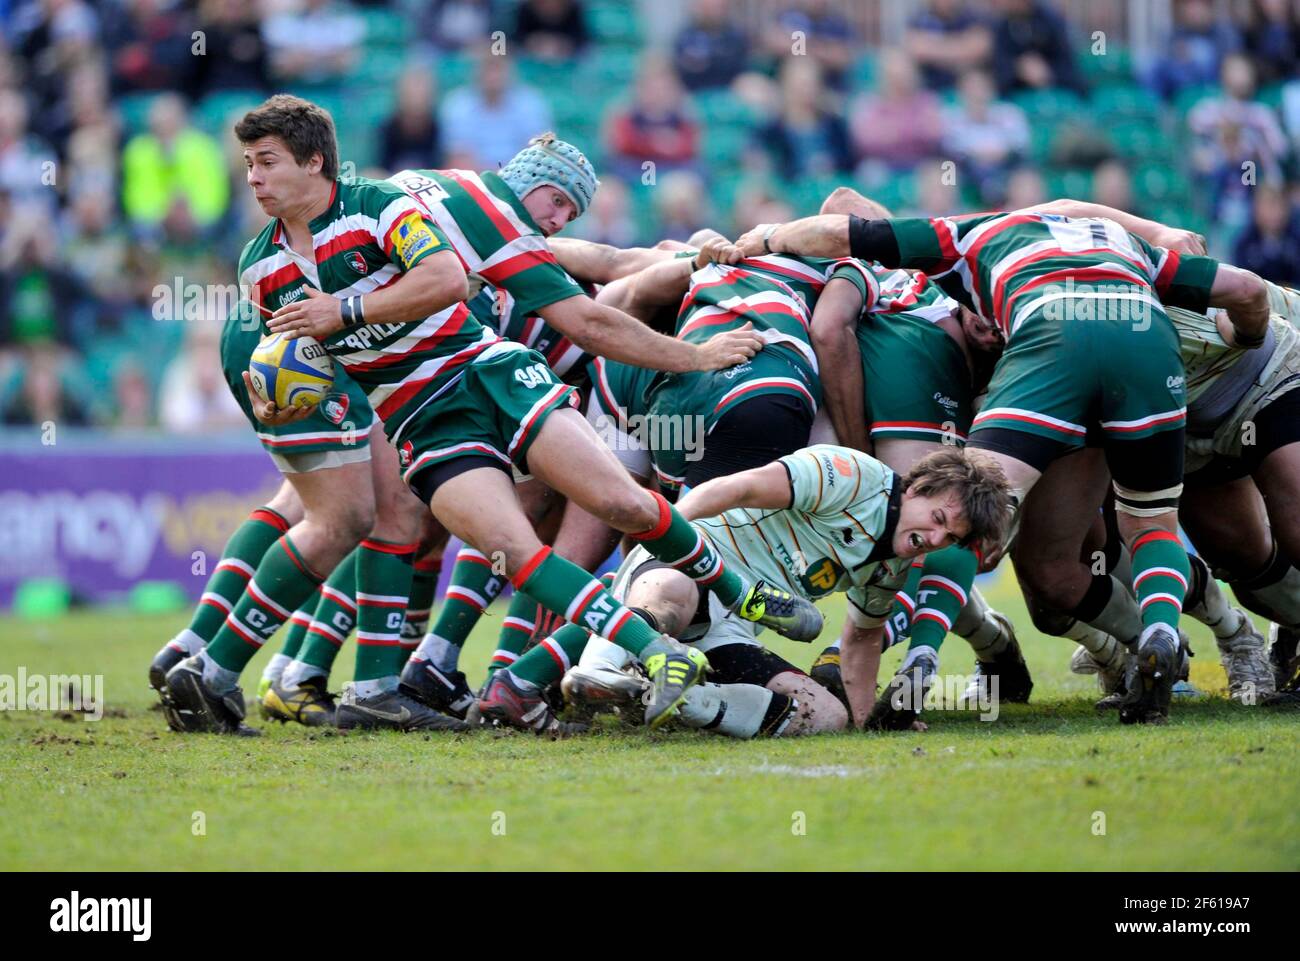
(413,238)
(821,577)
(357,262)
(335,408)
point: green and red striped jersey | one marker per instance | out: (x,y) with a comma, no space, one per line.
(1008,266)
(497,308)
(776,293)
(369,235)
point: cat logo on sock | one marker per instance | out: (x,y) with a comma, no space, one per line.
(335,408)
(358,263)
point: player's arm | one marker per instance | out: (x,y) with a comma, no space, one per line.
(1152,231)
(607,332)
(1245,297)
(860,651)
(834,339)
(915,243)
(762,488)
(595,263)
(826,235)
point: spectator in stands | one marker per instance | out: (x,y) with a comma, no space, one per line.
(486,123)
(42,396)
(316,43)
(197,398)
(947,40)
(609,219)
(235,55)
(26,163)
(1272,34)
(554,30)
(95,245)
(900,123)
(1270,245)
(759,202)
(83,102)
(171,160)
(39,298)
(133,406)
(658,126)
(1112,186)
(681,205)
(1233,130)
(938,190)
(1025,188)
(452,25)
(1031,48)
(822,33)
(987,136)
(150,47)
(409,138)
(54,39)
(711,51)
(1194,52)
(808,138)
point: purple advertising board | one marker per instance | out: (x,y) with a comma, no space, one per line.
(104,514)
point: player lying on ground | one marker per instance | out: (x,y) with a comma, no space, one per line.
(900,365)
(821,520)
(1079,304)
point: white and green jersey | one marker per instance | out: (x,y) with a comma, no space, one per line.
(1219,376)
(836,535)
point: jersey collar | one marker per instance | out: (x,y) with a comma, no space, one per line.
(884,548)
(316,224)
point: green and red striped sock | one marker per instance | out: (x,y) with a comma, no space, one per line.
(1160,574)
(384,572)
(675,541)
(244,551)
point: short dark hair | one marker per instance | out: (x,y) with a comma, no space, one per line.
(304,127)
(978,483)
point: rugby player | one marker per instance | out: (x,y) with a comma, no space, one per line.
(1120,366)
(821,520)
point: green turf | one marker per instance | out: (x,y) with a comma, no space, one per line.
(1214,789)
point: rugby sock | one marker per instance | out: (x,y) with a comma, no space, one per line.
(899,623)
(736,710)
(1105,650)
(675,541)
(1109,606)
(424,582)
(553,655)
(1273,593)
(384,572)
(332,620)
(1160,575)
(293,638)
(565,588)
(985,633)
(941,592)
(516,630)
(244,551)
(1207,603)
(473,587)
(282,583)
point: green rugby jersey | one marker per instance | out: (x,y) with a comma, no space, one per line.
(369,235)
(836,535)
(498,309)
(776,293)
(1008,266)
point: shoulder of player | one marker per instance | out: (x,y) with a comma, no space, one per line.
(369,196)
(259,248)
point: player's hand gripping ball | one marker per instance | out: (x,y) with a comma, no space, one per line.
(291,373)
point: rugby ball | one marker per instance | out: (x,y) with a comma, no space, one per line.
(291,373)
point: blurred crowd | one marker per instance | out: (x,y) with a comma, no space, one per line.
(119,178)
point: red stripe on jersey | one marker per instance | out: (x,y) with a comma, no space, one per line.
(404,394)
(275,280)
(945,232)
(1086,274)
(486,204)
(450,328)
(498,273)
(735,313)
(344,241)
(1167,271)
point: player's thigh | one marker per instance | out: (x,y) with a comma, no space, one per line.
(399,514)
(900,455)
(1278,478)
(1057,514)
(342,496)
(479,506)
(568,456)
(1227,523)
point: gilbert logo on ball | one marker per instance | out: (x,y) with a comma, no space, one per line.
(291,373)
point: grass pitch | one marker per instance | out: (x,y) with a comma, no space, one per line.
(1049,786)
